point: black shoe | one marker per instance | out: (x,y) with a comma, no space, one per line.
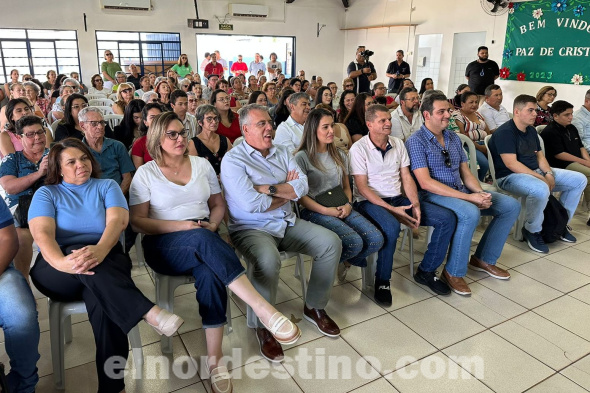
(431,281)
(588,222)
(535,241)
(383,293)
(567,237)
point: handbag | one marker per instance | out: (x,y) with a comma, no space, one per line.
(21,214)
(332,198)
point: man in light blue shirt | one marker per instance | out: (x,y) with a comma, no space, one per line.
(582,122)
(260,181)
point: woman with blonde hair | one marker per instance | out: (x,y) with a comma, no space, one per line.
(124,97)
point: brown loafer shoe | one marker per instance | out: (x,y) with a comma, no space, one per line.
(270,349)
(477,264)
(457,284)
(324,323)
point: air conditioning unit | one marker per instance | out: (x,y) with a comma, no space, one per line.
(248,10)
(134,5)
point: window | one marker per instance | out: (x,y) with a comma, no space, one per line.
(151,52)
(37,51)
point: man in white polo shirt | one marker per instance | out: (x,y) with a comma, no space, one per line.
(380,164)
(492,110)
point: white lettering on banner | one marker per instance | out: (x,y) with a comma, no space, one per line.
(531,26)
(525,51)
(572,24)
(576,51)
(547,51)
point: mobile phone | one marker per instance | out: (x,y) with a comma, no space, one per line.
(313,78)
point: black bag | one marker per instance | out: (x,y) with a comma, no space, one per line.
(332,198)
(21,214)
(554,221)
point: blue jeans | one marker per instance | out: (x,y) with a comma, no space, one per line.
(484,166)
(18,319)
(204,254)
(570,183)
(504,209)
(441,219)
(359,237)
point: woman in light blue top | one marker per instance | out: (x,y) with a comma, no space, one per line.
(326,170)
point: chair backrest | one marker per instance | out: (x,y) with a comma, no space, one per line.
(100,102)
(541,143)
(54,126)
(238,141)
(94,96)
(105,110)
(541,128)
(491,162)
(113,97)
(243,102)
(113,120)
(471,152)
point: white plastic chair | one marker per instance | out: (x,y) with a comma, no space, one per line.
(113,97)
(113,120)
(243,102)
(54,127)
(540,128)
(472,156)
(100,102)
(238,140)
(105,110)
(60,332)
(94,96)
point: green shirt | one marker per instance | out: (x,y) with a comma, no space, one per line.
(182,71)
(110,68)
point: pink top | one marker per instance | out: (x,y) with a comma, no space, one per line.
(18,146)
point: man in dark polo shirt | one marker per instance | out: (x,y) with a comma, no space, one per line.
(482,72)
(522,170)
(563,146)
(361,73)
(396,72)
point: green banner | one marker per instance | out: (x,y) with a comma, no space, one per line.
(548,41)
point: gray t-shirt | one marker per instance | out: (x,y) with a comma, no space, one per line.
(321,181)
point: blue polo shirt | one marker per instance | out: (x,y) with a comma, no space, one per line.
(114,160)
(425,152)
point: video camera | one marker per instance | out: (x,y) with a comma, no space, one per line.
(366,54)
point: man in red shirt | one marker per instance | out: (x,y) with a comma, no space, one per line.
(239,67)
(214,67)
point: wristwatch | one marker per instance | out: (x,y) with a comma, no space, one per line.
(549,173)
(272,190)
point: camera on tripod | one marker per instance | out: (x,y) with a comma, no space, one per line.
(366,54)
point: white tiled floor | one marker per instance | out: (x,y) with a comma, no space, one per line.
(531,333)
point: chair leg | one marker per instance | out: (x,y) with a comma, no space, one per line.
(404,237)
(300,265)
(139,250)
(228,326)
(56,337)
(165,296)
(368,272)
(67,329)
(136,349)
(251,318)
(411,248)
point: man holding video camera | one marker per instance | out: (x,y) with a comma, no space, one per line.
(362,72)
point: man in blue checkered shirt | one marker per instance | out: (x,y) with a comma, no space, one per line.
(441,169)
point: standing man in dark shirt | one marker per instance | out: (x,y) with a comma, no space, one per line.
(361,72)
(482,72)
(563,146)
(134,76)
(522,170)
(397,71)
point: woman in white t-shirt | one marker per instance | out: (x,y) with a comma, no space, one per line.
(176,201)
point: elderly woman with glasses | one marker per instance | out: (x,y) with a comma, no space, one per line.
(120,77)
(191,219)
(545,96)
(15,110)
(229,124)
(98,87)
(270,89)
(197,89)
(124,97)
(33,93)
(21,173)
(208,144)
(193,103)
(109,69)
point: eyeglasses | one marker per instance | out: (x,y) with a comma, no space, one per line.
(97,80)
(31,135)
(96,124)
(212,119)
(447,157)
(174,135)
(126,91)
(80,106)
(224,99)
(349,85)
(192,100)
(108,54)
(27,79)
(380,88)
(414,99)
(185,86)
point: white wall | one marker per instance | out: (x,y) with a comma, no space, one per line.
(435,17)
(315,55)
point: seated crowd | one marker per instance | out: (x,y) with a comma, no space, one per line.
(277,164)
